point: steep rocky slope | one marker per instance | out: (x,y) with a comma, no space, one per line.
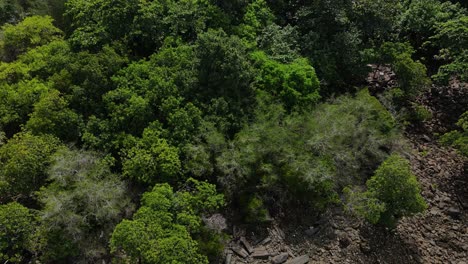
(439,235)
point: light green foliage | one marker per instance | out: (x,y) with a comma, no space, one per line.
(152,159)
(82,77)
(458,139)
(81,206)
(31,32)
(295,84)
(257,16)
(307,155)
(16,226)
(17,102)
(161,229)
(393,192)
(52,116)
(363,204)
(24,160)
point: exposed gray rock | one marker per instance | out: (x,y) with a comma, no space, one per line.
(261,253)
(240,251)
(454,213)
(299,260)
(247,245)
(265,241)
(281,258)
(228,258)
(312,231)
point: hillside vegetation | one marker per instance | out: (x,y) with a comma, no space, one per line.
(125,124)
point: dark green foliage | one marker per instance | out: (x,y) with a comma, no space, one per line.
(331,41)
(140,25)
(393,192)
(412,76)
(458,139)
(225,76)
(377,19)
(81,206)
(420,17)
(452,38)
(24,160)
(161,229)
(255,210)
(16,226)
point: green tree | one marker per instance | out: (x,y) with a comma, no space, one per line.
(134,22)
(377,19)
(452,39)
(296,84)
(18,102)
(458,138)
(225,76)
(52,116)
(31,32)
(152,159)
(412,75)
(10,11)
(24,160)
(257,16)
(393,192)
(331,41)
(161,229)
(16,226)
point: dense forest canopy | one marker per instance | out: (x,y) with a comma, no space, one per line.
(124,122)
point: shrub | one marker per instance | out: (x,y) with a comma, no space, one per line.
(16,225)
(458,139)
(393,192)
(306,157)
(418,113)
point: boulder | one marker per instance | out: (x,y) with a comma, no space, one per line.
(299,260)
(281,258)
(261,253)
(247,245)
(240,251)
